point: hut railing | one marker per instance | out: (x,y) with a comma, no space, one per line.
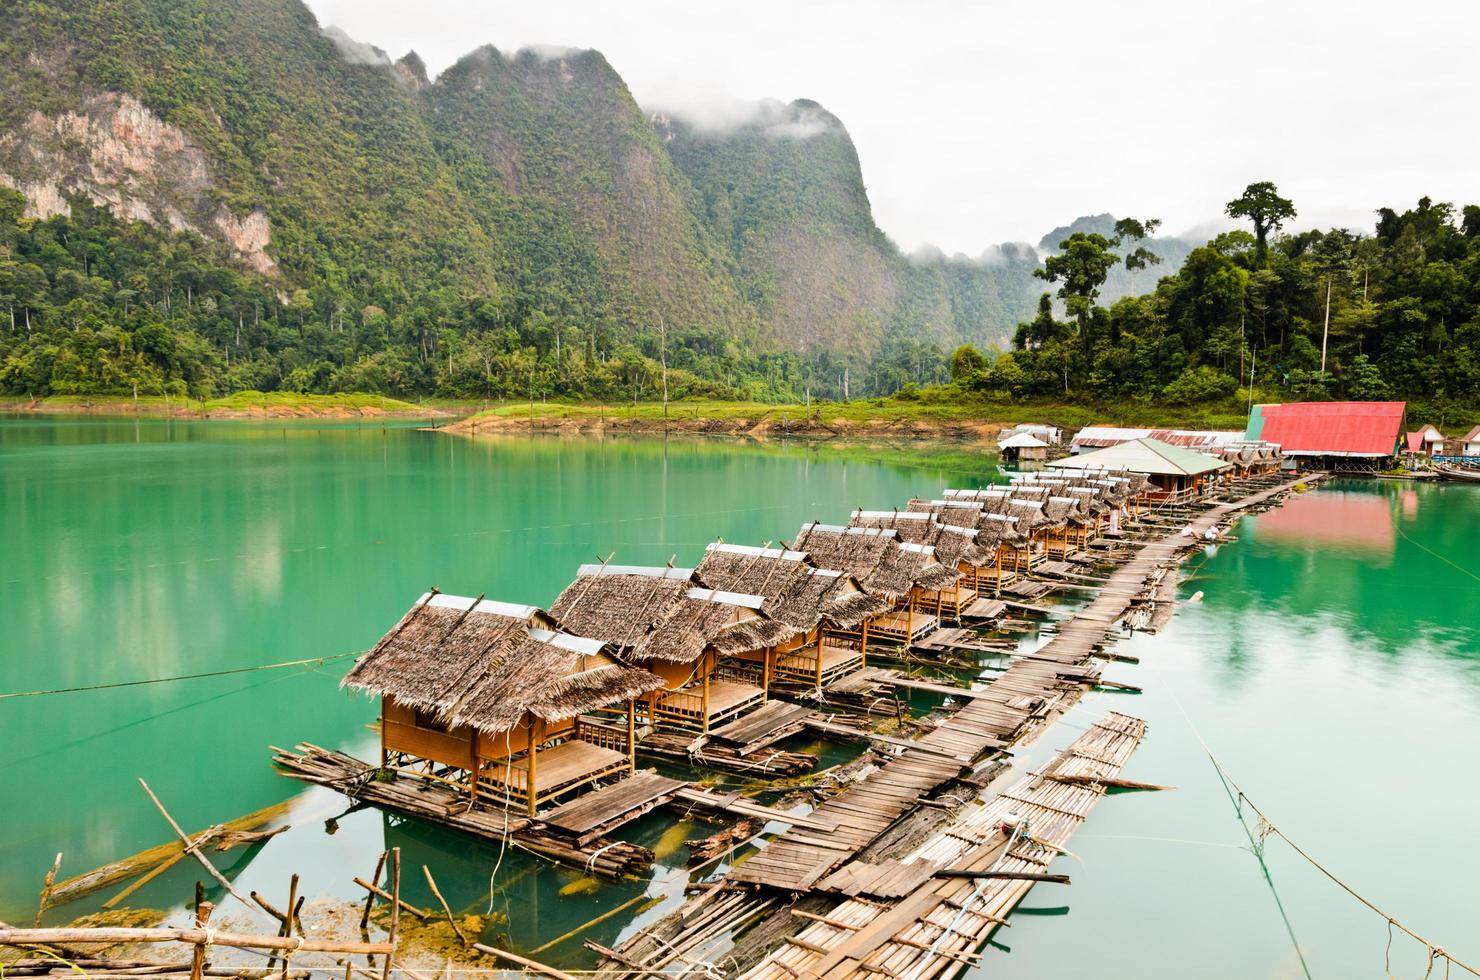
(603,735)
(740,673)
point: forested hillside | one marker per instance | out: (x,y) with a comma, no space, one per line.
(1390,314)
(218,195)
(517,227)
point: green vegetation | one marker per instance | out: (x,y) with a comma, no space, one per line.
(296,218)
(1308,316)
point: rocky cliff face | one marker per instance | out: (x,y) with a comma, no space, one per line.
(115,152)
(532,180)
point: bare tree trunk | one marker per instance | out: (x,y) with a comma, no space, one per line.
(1325,330)
(663,351)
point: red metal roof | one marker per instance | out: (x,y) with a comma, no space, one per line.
(1334,428)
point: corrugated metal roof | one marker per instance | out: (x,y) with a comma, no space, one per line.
(1144,456)
(1330,428)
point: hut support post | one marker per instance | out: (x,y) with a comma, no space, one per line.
(768,667)
(534,754)
(819,658)
(631,735)
(863,646)
(708,667)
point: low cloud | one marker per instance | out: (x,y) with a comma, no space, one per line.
(723,114)
(355,52)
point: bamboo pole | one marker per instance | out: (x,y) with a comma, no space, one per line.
(203,911)
(385,973)
(535,965)
(384,896)
(114,936)
(432,882)
(186,841)
(51,877)
(370,897)
(587,925)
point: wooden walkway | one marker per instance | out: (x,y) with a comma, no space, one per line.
(590,815)
(891,940)
(929,924)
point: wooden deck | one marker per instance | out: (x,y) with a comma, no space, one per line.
(901,626)
(442,803)
(727,699)
(559,769)
(801,664)
(984,610)
(868,939)
(766,725)
(590,815)
(928,925)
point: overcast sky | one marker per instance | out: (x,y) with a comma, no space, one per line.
(982,122)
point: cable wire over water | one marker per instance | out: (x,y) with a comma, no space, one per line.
(310,662)
(1266,828)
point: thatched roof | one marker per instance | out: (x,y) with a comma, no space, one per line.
(955,545)
(840,597)
(908,566)
(661,613)
(485,664)
(768,572)
(876,557)
(796,593)
(554,676)
(620,603)
(913,527)
(994,529)
(426,660)
(857,551)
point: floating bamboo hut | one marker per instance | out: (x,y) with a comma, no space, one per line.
(888,568)
(713,650)
(826,607)
(495,700)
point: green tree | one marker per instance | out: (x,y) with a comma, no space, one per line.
(1081,267)
(1261,204)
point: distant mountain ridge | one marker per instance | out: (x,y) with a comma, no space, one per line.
(531,183)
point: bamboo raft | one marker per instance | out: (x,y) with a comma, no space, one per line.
(447,806)
(1013,708)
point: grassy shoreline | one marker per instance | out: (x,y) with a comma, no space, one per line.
(934,415)
(241,405)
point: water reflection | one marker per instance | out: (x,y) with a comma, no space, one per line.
(1336,521)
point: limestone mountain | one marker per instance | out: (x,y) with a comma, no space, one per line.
(468,234)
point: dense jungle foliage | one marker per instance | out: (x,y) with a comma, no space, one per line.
(1313,315)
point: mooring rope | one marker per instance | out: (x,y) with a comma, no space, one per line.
(311,661)
(1267,828)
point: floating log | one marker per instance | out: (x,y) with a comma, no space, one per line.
(1003,875)
(706,849)
(99,878)
(535,965)
(185,840)
(1114,782)
(116,936)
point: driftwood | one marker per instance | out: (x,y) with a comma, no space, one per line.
(432,883)
(114,936)
(198,856)
(109,874)
(706,849)
(535,965)
(46,887)
(385,896)
(163,866)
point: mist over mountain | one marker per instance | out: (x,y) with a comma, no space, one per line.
(435,229)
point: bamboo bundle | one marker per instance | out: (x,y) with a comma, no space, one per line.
(356,780)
